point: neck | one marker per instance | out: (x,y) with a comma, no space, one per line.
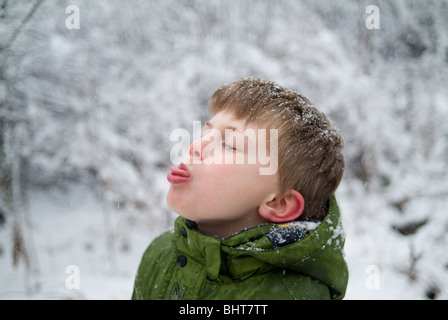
(224,229)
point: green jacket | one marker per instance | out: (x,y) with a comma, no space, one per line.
(290,261)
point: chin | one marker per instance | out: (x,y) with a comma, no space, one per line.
(172,200)
(177,203)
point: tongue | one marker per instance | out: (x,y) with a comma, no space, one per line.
(179,172)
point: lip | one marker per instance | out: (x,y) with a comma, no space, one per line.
(179,174)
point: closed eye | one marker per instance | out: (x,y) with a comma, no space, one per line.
(226,146)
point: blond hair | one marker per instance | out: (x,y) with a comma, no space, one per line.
(310,156)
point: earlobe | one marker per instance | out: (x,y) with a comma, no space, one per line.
(285,209)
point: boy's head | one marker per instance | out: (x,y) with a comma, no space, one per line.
(309,151)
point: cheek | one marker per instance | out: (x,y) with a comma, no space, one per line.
(227,174)
(230,182)
(214,182)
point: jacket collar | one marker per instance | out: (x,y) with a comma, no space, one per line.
(234,256)
(220,256)
(319,254)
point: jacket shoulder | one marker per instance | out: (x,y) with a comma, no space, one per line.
(302,287)
(153,267)
(160,244)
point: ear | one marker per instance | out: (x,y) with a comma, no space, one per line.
(285,209)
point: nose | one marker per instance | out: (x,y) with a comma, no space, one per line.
(197,149)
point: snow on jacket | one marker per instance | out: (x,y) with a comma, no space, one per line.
(298,260)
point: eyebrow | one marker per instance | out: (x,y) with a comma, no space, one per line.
(209,124)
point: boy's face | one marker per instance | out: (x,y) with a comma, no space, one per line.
(219,180)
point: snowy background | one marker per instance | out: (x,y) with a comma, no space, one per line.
(86,116)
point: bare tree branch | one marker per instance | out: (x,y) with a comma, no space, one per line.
(22,25)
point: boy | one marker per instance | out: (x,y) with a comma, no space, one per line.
(246,235)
